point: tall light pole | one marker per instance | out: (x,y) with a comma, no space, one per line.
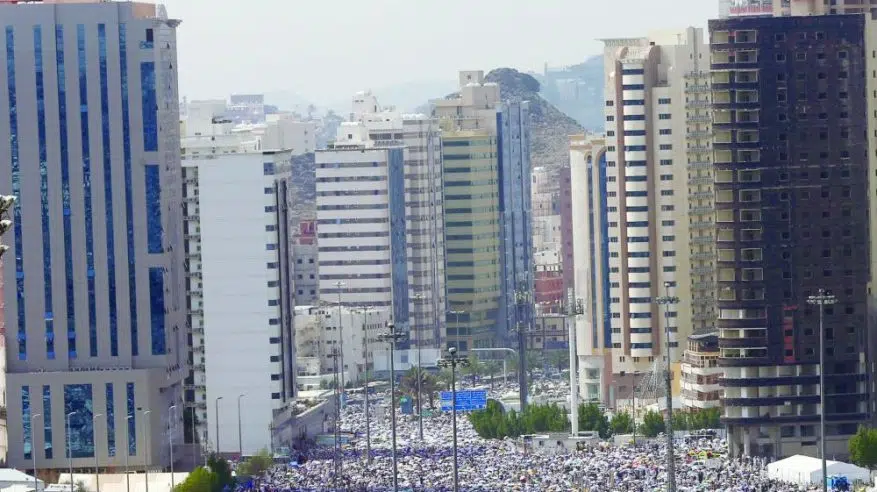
(216,413)
(240,432)
(419,297)
(822,299)
(452,361)
(69,450)
(336,457)
(368,437)
(170,439)
(392,337)
(339,284)
(667,300)
(128,451)
(96,459)
(574,308)
(33,451)
(522,299)
(146,454)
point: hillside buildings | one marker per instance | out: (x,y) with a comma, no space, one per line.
(793,99)
(485,149)
(90,147)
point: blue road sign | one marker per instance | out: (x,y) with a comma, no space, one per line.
(466,400)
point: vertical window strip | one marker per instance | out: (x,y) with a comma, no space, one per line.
(27,431)
(156,296)
(132,419)
(16,191)
(61,72)
(129,192)
(108,187)
(149,106)
(44,191)
(154,230)
(47,421)
(111,421)
(86,185)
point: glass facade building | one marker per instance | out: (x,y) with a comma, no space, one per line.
(91,150)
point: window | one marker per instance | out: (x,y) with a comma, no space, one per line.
(610,118)
(157,311)
(781,57)
(154,231)
(610,103)
(666,147)
(665,131)
(666,192)
(268,168)
(664,116)
(149,101)
(666,162)
(664,100)
(666,177)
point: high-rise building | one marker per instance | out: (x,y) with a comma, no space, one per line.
(91,148)
(239,290)
(586,261)
(424,226)
(792,98)
(362,232)
(700,372)
(785,8)
(488,230)
(650,138)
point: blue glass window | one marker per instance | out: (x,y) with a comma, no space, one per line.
(111,420)
(108,190)
(16,190)
(149,102)
(81,61)
(61,72)
(156,309)
(26,423)
(47,420)
(132,419)
(268,168)
(78,402)
(398,243)
(154,229)
(129,191)
(44,191)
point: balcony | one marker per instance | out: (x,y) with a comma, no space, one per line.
(745,342)
(698,149)
(193,256)
(698,88)
(703,285)
(700,195)
(198,330)
(697,134)
(190,181)
(701,210)
(770,401)
(701,180)
(196,312)
(698,118)
(700,165)
(696,75)
(190,199)
(702,270)
(703,240)
(192,217)
(701,225)
(194,274)
(698,104)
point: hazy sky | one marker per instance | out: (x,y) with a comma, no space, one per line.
(325,50)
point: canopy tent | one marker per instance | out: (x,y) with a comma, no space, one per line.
(807,470)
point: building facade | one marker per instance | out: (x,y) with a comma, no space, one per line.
(91,149)
(237,294)
(701,372)
(790,102)
(362,233)
(648,144)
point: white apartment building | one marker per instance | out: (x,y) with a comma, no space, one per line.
(318,336)
(648,138)
(238,298)
(421,139)
(587,234)
(785,8)
(701,372)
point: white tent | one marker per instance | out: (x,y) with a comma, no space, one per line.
(807,470)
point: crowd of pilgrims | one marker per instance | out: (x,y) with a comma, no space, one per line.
(507,465)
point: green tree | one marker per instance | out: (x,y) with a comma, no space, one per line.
(681,420)
(592,418)
(863,447)
(559,359)
(491,369)
(220,467)
(256,465)
(534,360)
(621,423)
(475,367)
(80,487)
(653,424)
(200,480)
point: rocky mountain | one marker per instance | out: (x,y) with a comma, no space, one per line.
(550,128)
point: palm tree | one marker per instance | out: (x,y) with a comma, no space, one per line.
(491,368)
(430,387)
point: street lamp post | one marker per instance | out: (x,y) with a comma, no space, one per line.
(667,300)
(336,425)
(522,298)
(146,454)
(574,308)
(368,437)
(822,299)
(392,337)
(128,451)
(33,451)
(452,361)
(339,284)
(419,297)
(216,413)
(170,439)
(69,450)
(96,459)
(240,432)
